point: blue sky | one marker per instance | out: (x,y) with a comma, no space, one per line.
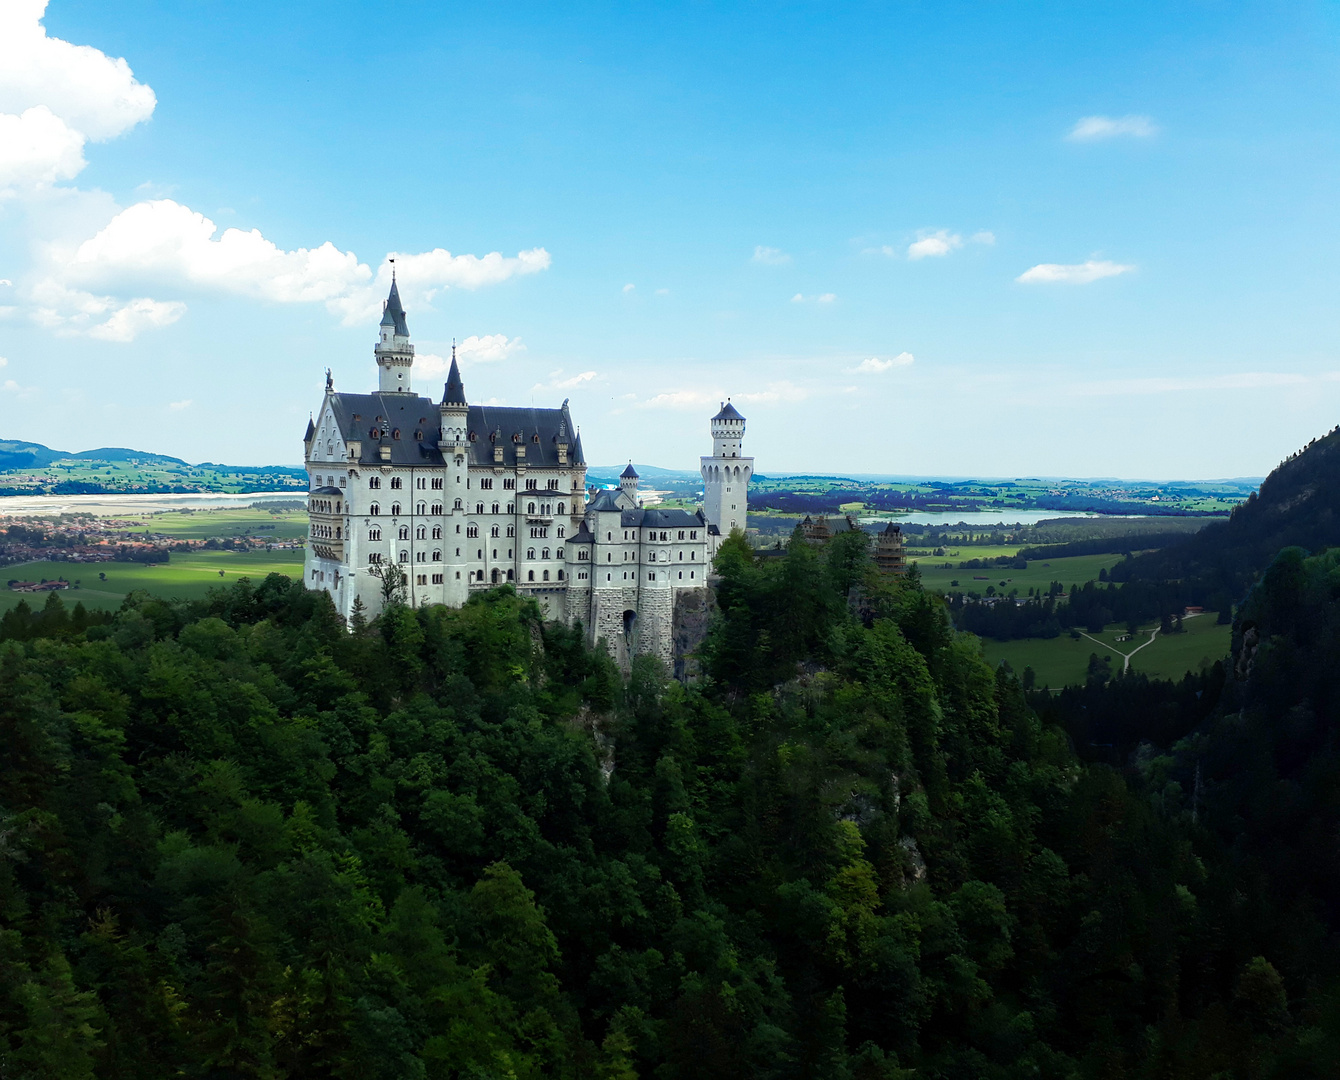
(950,239)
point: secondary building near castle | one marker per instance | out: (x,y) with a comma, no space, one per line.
(460,498)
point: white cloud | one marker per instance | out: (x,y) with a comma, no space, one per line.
(934,245)
(162,244)
(4,361)
(629,288)
(662,292)
(875,366)
(143,313)
(177,406)
(54,97)
(798,299)
(1090,128)
(822,298)
(5,281)
(36,150)
(576,380)
(476,349)
(1072,274)
(983,237)
(771,256)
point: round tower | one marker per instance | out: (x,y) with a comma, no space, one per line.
(726,474)
(394,353)
(628,484)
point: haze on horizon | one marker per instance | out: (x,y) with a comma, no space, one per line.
(943,240)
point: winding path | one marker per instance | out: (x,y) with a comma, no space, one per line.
(1126,666)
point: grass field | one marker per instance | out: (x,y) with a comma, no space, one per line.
(186,576)
(1062,661)
(1075,570)
(229,521)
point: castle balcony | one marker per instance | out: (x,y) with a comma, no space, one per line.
(539,519)
(328,549)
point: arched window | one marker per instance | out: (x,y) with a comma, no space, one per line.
(560,508)
(495,576)
(472,531)
(374,481)
(546,575)
(437,532)
(421,556)
(421,533)
(493,531)
(509,575)
(395,509)
(395,483)
(530,553)
(495,508)
(437,509)
(458,505)
(560,575)
(422,508)
(404,532)
(546,554)
(479,508)
(375,533)
(530,508)
(374,509)
(530,575)
(437,556)
(404,556)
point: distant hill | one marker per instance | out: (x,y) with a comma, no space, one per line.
(646,472)
(1298,505)
(120,453)
(28,468)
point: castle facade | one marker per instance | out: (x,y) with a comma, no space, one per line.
(434,501)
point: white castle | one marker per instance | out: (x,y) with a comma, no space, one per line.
(460,498)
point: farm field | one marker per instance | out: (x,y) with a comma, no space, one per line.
(229,521)
(1075,570)
(186,576)
(1062,661)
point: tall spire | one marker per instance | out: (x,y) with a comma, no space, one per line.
(455,389)
(394,313)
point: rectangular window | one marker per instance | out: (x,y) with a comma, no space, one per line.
(438,579)
(421,579)
(509,484)
(437,483)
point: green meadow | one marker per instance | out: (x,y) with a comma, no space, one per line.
(941,573)
(1062,661)
(230,521)
(186,576)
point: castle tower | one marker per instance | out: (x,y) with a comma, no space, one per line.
(454,444)
(726,474)
(628,486)
(395,355)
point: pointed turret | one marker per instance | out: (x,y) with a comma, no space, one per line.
(454,408)
(455,389)
(628,485)
(395,355)
(394,313)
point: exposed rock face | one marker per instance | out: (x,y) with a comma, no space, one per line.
(692,615)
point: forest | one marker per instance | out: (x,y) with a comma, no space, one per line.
(241,839)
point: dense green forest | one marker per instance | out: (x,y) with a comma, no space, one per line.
(242,840)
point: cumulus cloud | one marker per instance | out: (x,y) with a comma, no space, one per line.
(1072,273)
(934,245)
(476,349)
(629,288)
(177,406)
(54,97)
(572,382)
(771,256)
(876,366)
(1091,128)
(161,244)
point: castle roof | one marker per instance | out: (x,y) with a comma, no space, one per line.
(411,426)
(394,314)
(661,518)
(606,501)
(327,491)
(311,430)
(728,412)
(454,393)
(629,473)
(581,536)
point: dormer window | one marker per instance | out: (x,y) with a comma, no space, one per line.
(418,436)
(396,434)
(473,436)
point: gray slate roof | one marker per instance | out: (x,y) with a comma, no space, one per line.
(394,315)
(629,473)
(410,414)
(605,501)
(657,518)
(728,412)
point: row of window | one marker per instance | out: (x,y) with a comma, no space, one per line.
(497,577)
(652,534)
